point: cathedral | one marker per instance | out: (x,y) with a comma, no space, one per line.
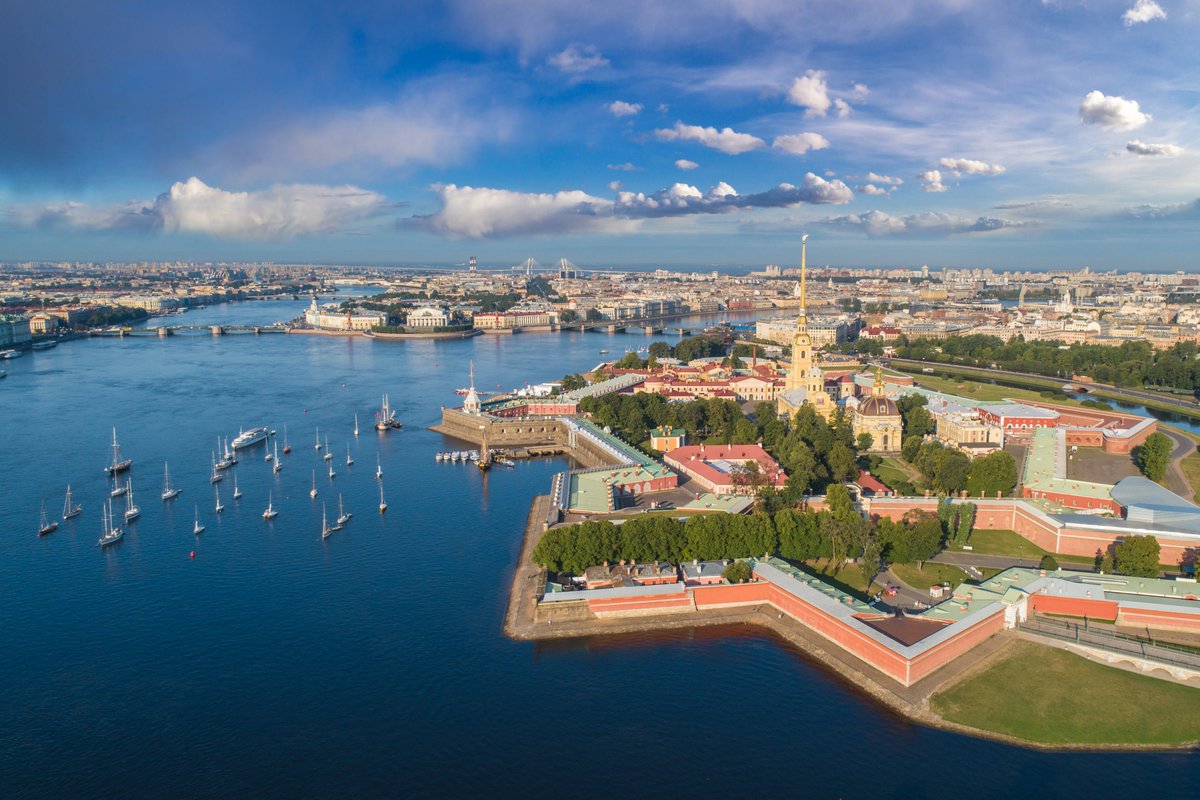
(805,380)
(878,416)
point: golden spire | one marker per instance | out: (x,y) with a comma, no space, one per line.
(803,271)
(877,386)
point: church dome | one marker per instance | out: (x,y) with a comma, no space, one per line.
(878,407)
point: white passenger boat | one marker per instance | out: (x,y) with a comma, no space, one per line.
(250,437)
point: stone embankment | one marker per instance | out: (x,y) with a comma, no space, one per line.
(526,621)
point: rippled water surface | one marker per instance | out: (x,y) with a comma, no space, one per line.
(273,664)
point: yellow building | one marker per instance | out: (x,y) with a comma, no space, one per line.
(878,416)
(805,381)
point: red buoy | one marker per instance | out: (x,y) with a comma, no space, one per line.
(192,554)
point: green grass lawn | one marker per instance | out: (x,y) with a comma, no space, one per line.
(979,390)
(1011,543)
(850,578)
(891,473)
(1191,470)
(930,574)
(1042,694)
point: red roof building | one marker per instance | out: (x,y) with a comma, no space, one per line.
(725,469)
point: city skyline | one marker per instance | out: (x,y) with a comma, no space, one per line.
(1013,136)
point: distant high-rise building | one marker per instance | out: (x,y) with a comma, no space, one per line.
(471,263)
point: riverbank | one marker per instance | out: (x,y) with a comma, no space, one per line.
(525,620)
(396,337)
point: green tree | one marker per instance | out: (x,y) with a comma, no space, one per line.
(950,471)
(910,448)
(1048,562)
(917,422)
(865,442)
(995,472)
(1137,556)
(841,462)
(737,572)
(660,349)
(572,382)
(1154,455)
(630,360)
(567,316)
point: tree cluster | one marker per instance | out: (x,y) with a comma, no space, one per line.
(994,473)
(945,468)
(1153,455)
(836,534)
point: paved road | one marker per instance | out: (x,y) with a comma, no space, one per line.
(1177,482)
(965,558)
(1188,407)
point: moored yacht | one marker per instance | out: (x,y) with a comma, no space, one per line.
(47,525)
(118,464)
(250,437)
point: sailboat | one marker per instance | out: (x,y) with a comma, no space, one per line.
(68,509)
(386,418)
(118,464)
(132,512)
(46,525)
(331,472)
(318,444)
(197,528)
(230,455)
(484,460)
(168,491)
(118,490)
(313,493)
(356,424)
(216,475)
(287,448)
(349,460)
(237,493)
(217,493)
(270,513)
(111,532)
(277,465)
(225,462)
(343,517)
(328,455)
(378,468)
(325,529)
(382,502)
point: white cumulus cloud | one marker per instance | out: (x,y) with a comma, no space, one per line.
(812,92)
(628,166)
(967,166)
(800,143)
(878,224)
(576,59)
(887,179)
(684,164)
(481,212)
(1139,148)
(843,108)
(726,140)
(619,108)
(871,188)
(1143,11)
(192,206)
(932,181)
(1114,113)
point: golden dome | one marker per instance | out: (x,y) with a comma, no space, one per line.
(876,406)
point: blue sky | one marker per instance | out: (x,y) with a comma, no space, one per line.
(1015,134)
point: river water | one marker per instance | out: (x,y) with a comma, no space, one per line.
(371,664)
